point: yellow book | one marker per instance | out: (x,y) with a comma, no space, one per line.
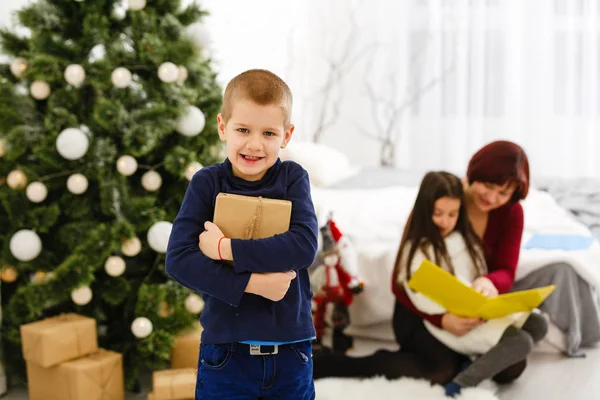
(460,299)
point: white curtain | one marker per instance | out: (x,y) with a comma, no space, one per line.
(422,84)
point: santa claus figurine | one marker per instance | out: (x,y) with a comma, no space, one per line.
(334,280)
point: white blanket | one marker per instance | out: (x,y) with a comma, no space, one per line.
(544,215)
(374,219)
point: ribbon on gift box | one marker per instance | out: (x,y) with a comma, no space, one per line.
(254,224)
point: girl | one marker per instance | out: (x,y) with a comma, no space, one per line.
(438,229)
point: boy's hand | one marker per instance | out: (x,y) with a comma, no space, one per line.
(209,241)
(271,286)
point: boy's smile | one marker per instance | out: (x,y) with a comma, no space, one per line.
(254,135)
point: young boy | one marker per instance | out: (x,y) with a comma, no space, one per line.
(257,320)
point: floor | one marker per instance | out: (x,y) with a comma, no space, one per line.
(549,376)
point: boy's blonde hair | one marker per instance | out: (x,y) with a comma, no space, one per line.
(261,87)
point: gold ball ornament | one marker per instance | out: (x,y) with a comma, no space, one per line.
(127,165)
(168,72)
(39,90)
(182,74)
(82,295)
(9,274)
(39,277)
(115,266)
(16,179)
(36,192)
(191,169)
(136,5)
(165,310)
(121,77)
(194,303)
(131,247)
(77,183)
(18,66)
(151,181)
(2,147)
(74,75)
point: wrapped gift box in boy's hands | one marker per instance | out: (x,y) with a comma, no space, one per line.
(247,217)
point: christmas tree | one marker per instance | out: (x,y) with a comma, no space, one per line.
(104,104)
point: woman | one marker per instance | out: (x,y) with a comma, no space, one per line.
(497,179)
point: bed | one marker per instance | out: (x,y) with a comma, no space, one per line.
(374,218)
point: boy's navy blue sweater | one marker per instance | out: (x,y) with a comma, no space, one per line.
(230,315)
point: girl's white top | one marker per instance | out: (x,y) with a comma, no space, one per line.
(481,339)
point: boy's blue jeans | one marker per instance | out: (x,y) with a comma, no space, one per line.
(229,371)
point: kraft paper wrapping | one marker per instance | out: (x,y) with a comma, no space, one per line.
(174,384)
(186,349)
(53,340)
(247,217)
(98,376)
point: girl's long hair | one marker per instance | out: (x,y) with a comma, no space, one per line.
(420,230)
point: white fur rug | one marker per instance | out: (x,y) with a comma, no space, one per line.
(381,388)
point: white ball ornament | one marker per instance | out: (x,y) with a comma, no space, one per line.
(114,266)
(25,245)
(151,181)
(137,5)
(158,236)
(141,327)
(194,304)
(168,72)
(77,183)
(121,77)
(39,90)
(75,74)
(191,169)
(200,35)
(127,165)
(18,66)
(16,179)
(72,143)
(82,295)
(131,247)
(191,123)
(36,192)
(182,74)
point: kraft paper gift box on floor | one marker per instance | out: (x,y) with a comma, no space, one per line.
(53,340)
(97,376)
(174,384)
(65,363)
(247,217)
(186,349)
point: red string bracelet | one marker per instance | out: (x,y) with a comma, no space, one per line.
(219,247)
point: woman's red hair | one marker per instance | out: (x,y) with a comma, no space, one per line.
(501,162)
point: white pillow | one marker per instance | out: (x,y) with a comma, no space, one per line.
(325,165)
